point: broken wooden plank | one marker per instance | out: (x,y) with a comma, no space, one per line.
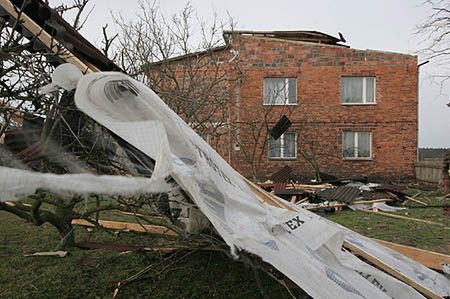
(445,196)
(48,253)
(341,205)
(127,247)
(416,200)
(306,186)
(271,199)
(43,36)
(403,217)
(302,201)
(157,216)
(392,271)
(137,248)
(293,199)
(135,227)
(433,260)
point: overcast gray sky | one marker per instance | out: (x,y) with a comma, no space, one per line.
(382,25)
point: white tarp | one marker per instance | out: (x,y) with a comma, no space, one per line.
(300,244)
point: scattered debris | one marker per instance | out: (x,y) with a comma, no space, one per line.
(303,246)
(416,200)
(356,194)
(49,253)
(445,196)
(126,247)
(281,126)
(404,217)
(124,226)
(433,260)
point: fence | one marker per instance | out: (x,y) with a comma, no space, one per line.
(429,172)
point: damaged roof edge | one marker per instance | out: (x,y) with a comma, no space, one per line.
(188,55)
(297,35)
(287,33)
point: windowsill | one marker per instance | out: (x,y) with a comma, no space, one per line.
(283,158)
(358,104)
(357,159)
(295,104)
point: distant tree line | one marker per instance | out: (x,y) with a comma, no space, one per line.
(432,153)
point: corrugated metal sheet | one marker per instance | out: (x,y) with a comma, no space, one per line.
(345,194)
(372,195)
(282,176)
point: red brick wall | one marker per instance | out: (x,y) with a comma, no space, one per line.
(318,69)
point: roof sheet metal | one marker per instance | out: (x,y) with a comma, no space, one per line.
(282,176)
(297,35)
(345,194)
(372,195)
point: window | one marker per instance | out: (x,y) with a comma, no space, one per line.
(357,145)
(280,91)
(358,90)
(284,147)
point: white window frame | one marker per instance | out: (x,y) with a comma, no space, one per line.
(355,141)
(282,148)
(286,86)
(364,99)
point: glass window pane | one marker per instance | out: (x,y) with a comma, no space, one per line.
(349,144)
(370,89)
(289,145)
(267,88)
(352,90)
(292,90)
(275,91)
(364,144)
(274,148)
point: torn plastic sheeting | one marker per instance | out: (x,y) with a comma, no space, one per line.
(303,246)
(16,184)
(378,205)
(282,238)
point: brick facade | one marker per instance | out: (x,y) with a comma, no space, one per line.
(319,114)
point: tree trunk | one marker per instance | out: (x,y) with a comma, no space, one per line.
(318,177)
(64,226)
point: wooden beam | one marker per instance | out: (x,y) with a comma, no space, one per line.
(392,271)
(43,36)
(268,198)
(430,259)
(403,217)
(341,205)
(416,200)
(135,227)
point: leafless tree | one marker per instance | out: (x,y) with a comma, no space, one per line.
(312,150)
(196,87)
(434,31)
(251,133)
(63,141)
(434,35)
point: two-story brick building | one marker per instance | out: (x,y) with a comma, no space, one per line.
(353,112)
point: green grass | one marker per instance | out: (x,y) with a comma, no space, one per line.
(411,233)
(95,273)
